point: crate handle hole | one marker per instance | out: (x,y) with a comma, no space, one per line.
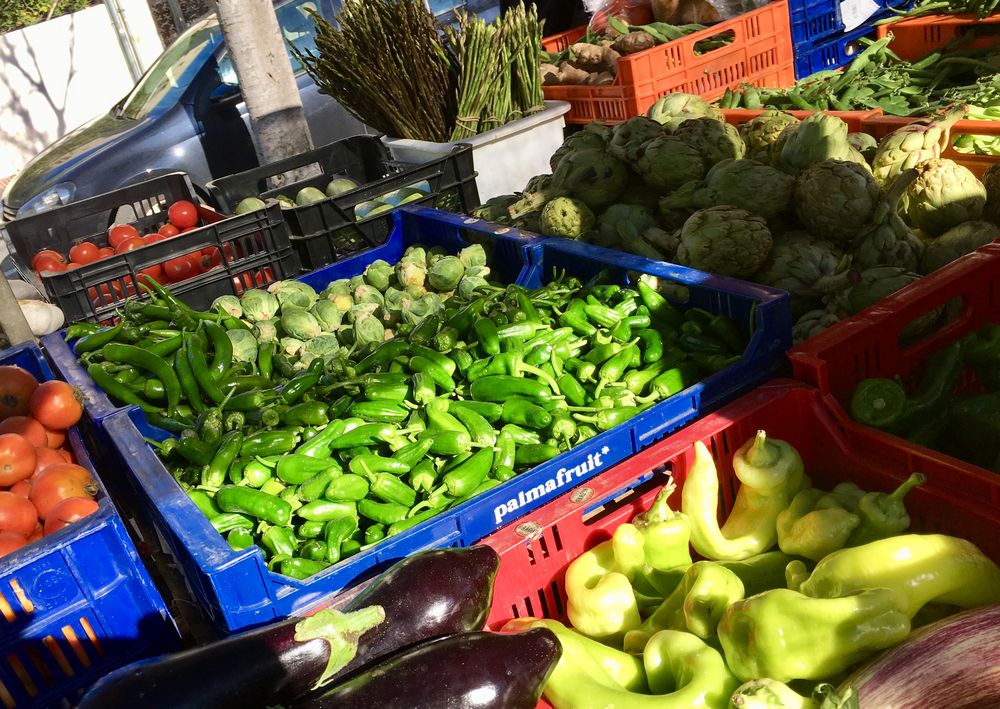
(932,324)
(714,43)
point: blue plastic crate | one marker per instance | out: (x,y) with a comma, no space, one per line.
(816,22)
(412,225)
(831,54)
(77,603)
(237,589)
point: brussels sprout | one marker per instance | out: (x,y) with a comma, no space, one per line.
(445,274)
(360,310)
(291,346)
(266,330)
(435,254)
(340,185)
(339,287)
(469,284)
(473,256)
(259,305)
(368,329)
(249,204)
(228,305)
(322,346)
(410,273)
(416,254)
(300,323)
(244,345)
(379,274)
(294,293)
(356,282)
(327,314)
(368,294)
(393,299)
(415,292)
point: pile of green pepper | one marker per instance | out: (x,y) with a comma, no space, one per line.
(314,465)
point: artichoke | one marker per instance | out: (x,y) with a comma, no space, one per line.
(834,199)
(725,240)
(888,241)
(567,217)
(594,136)
(668,162)
(805,266)
(813,323)
(619,219)
(958,241)
(746,184)
(591,176)
(495,209)
(943,195)
(991,181)
(910,145)
(628,138)
(761,133)
(673,109)
(819,137)
(864,144)
(712,140)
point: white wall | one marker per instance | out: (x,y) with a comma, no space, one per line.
(57,75)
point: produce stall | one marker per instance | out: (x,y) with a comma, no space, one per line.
(619,368)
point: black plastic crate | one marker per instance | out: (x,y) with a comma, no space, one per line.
(255,248)
(327,231)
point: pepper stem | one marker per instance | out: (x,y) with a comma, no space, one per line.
(341,631)
(660,510)
(915,480)
(761,454)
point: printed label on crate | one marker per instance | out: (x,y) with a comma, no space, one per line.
(562,478)
(853,13)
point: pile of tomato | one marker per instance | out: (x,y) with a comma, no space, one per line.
(42,489)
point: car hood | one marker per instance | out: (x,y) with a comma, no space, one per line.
(62,159)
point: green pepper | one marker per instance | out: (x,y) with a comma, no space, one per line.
(227,522)
(325,510)
(364,435)
(425,330)
(335,533)
(265,359)
(204,502)
(883,515)
(316,486)
(522,412)
(438,374)
(606,419)
(129,354)
(239,539)
(196,451)
(269,443)
(256,474)
(347,487)
(422,476)
(296,469)
(532,454)
(462,479)
(375,533)
(371,463)
(166,347)
(200,370)
(390,488)
(448,442)
(96,340)
(813,533)
(80,329)
(299,568)
(254,503)
(153,389)
(310,529)
(386,513)
(174,425)
(486,334)
(387,392)
(306,413)
(499,388)
(319,445)
(249,401)
(214,474)
(300,384)
(489,410)
(379,411)
(314,550)
(222,348)
(438,417)
(412,453)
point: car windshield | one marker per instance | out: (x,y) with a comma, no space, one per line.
(174,70)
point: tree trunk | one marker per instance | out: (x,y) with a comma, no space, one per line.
(261,61)
(12,321)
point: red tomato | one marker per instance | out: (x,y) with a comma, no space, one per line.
(26,427)
(84,253)
(67,455)
(105,251)
(180,268)
(50,265)
(105,295)
(10,542)
(37,534)
(44,255)
(119,232)
(55,404)
(57,483)
(54,437)
(70,510)
(16,387)
(130,244)
(47,457)
(17,458)
(17,514)
(183,214)
(168,230)
(22,488)
(154,272)
(153,238)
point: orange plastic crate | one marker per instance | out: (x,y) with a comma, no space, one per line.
(855,120)
(881,126)
(761,54)
(917,37)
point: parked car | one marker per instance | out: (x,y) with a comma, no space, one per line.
(186,113)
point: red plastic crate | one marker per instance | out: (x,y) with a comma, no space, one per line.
(760,55)
(867,345)
(535,553)
(855,120)
(916,37)
(881,126)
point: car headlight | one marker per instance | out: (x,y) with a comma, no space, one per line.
(55,196)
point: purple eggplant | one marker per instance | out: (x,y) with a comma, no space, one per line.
(466,671)
(428,595)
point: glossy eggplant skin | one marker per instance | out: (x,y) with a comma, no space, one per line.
(466,671)
(425,596)
(238,672)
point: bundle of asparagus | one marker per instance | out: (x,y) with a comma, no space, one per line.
(393,66)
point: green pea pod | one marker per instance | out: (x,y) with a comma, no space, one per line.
(464,478)
(325,510)
(254,503)
(349,487)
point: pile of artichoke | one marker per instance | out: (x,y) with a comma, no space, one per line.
(835,218)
